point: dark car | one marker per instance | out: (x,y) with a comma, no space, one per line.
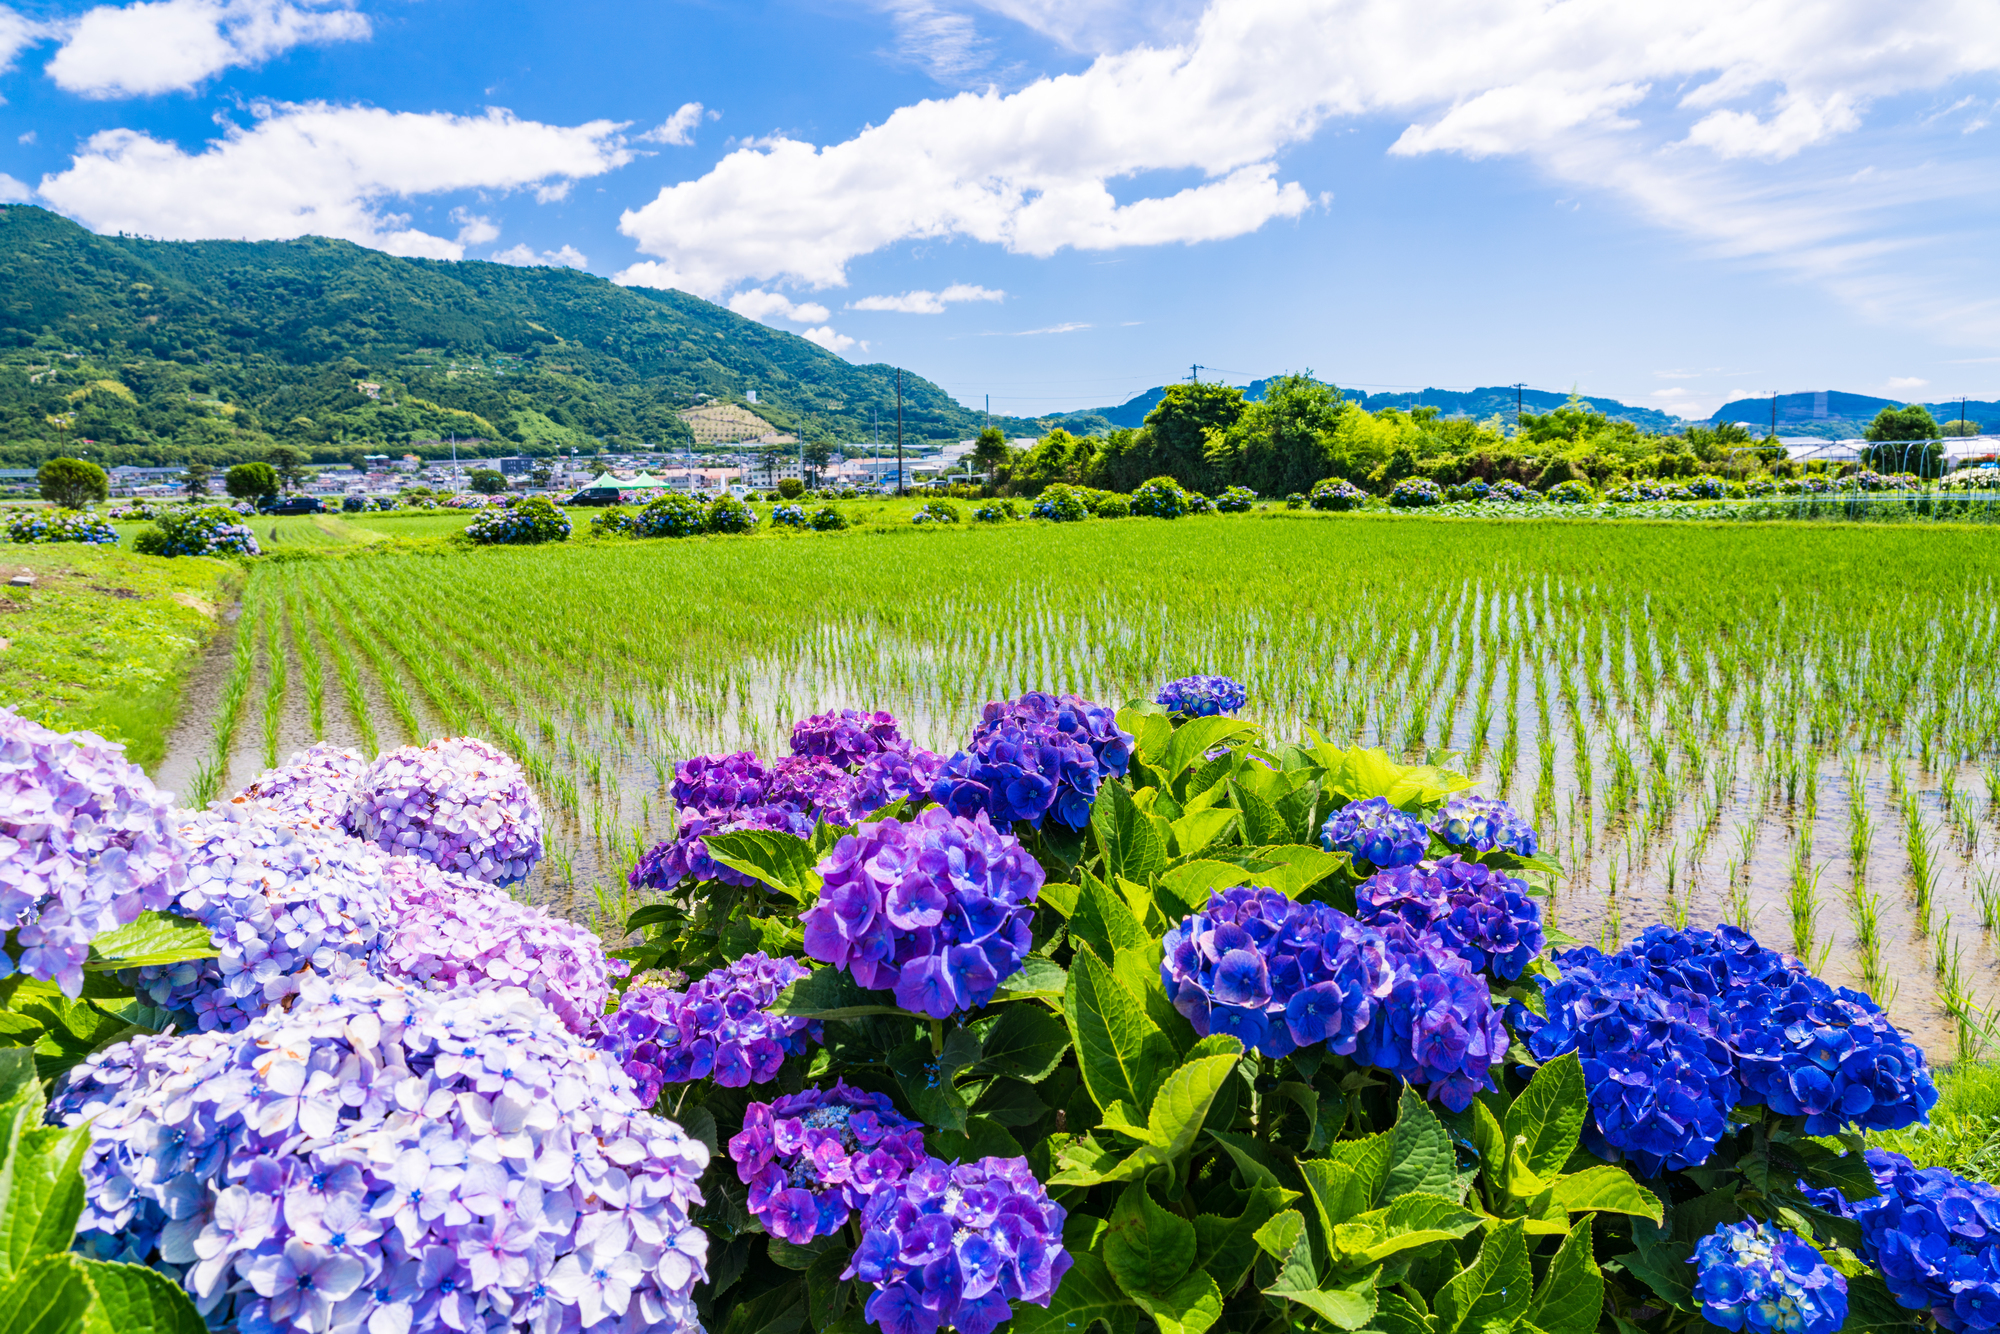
(594,495)
(296,505)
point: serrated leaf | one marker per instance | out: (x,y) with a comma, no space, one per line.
(1193,1305)
(1088,1296)
(772,857)
(831,993)
(1494,1290)
(154,938)
(1130,839)
(1262,825)
(1605,1189)
(1102,920)
(1192,883)
(1123,1054)
(41,1192)
(1292,868)
(1409,1222)
(1543,1125)
(1252,1157)
(1137,969)
(1196,737)
(1348,1180)
(1195,831)
(1148,1248)
(981,1138)
(1397,1314)
(1350,1306)
(1421,1157)
(1026,1043)
(1278,1236)
(1227,1247)
(50,1296)
(1572,1292)
(1038,978)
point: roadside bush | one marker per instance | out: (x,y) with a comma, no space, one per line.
(1337,493)
(1198,503)
(1571,492)
(1295,501)
(995,511)
(534,520)
(61,526)
(827,519)
(1160,498)
(1235,500)
(1707,488)
(1475,490)
(669,516)
(936,511)
(1111,505)
(791,488)
(1061,503)
(616,521)
(385,503)
(1415,493)
(1512,491)
(788,516)
(210,530)
(353,504)
(849,493)
(727,514)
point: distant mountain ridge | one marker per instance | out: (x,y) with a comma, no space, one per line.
(1834,415)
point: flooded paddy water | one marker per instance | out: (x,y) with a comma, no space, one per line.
(1793,729)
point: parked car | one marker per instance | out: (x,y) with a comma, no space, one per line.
(594,495)
(294,505)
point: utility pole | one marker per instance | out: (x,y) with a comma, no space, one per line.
(1194,373)
(1774,414)
(989,412)
(1518,387)
(1961,418)
(899,433)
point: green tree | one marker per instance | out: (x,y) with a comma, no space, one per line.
(289,465)
(818,454)
(486,481)
(1177,432)
(72,483)
(251,481)
(1961,426)
(1056,457)
(1282,444)
(1905,423)
(195,478)
(990,450)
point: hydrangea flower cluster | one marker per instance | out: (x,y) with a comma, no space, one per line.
(210,530)
(720,782)
(685,857)
(86,843)
(1483,915)
(61,526)
(533,520)
(448,930)
(813,1158)
(1039,756)
(459,803)
(847,737)
(957,1244)
(1656,1068)
(1483,824)
(312,787)
(1375,832)
(896,775)
(788,516)
(1934,1235)
(1434,1024)
(281,902)
(1763,1276)
(1202,696)
(331,1167)
(819,788)
(716,1029)
(936,908)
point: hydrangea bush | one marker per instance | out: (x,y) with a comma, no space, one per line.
(61,526)
(1415,493)
(458,802)
(1202,696)
(206,530)
(669,516)
(1336,493)
(1159,498)
(531,521)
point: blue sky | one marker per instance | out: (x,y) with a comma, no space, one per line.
(1061,204)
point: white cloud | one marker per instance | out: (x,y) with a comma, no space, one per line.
(836,343)
(1676,110)
(678,128)
(944,43)
(521,257)
(757,304)
(322,169)
(474,229)
(1030,333)
(1898,383)
(13,191)
(921,302)
(163,46)
(17,34)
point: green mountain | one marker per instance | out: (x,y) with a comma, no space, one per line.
(138,351)
(1833,415)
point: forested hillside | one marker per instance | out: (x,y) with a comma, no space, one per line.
(161,351)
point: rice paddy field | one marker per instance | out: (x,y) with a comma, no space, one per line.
(1794,728)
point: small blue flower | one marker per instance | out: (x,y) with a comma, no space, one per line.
(1202,696)
(1483,824)
(1375,832)
(1764,1277)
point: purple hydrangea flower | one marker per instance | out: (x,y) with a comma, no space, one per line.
(313,787)
(936,908)
(896,775)
(716,1029)
(847,738)
(1039,756)
(685,857)
(814,1157)
(1375,832)
(1484,915)
(87,843)
(720,782)
(1934,1235)
(1277,974)
(1484,823)
(281,902)
(956,1244)
(1767,1278)
(385,1158)
(1202,696)
(1436,1025)
(819,788)
(450,930)
(459,803)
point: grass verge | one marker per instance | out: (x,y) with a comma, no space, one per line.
(1964,1133)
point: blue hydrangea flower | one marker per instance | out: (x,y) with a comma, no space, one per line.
(1202,696)
(1934,1235)
(1036,757)
(956,1244)
(1767,1278)
(1375,832)
(1435,1025)
(1483,824)
(1484,915)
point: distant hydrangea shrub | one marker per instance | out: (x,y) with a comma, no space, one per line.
(87,843)
(210,530)
(534,520)
(994,511)
(312,787)
(1061,503)
(1416,493)
(613,522)
(459,803)
(788,516)
(1571,492)
(1295,501)
(1159,498)
(1707,488)
(727,514)
(62,526)
(1235,500)
(353,504)
(936,511)
(1514,493)
(1202,696)
(827,519)
(669,516)
(1110,505)
(344,1167)
(1199,504)
(1337,493)
(1473,491)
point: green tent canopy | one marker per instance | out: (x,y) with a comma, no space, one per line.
(640,483)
